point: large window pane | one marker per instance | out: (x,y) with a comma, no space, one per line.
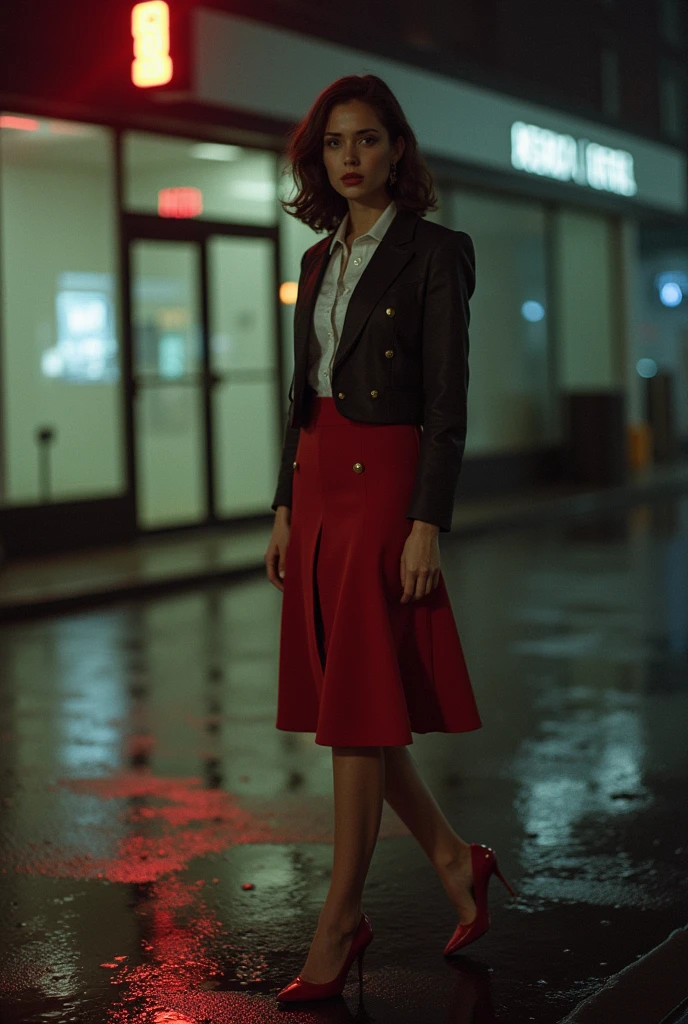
(659,338)
(512,403)
(60,356)
(294,238)
(177,177)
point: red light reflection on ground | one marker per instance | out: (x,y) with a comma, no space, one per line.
(175,820)
(157,827)
(177,979)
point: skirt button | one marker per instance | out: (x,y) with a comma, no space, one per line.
(358,467)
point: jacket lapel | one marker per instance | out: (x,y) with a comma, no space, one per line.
(390,257)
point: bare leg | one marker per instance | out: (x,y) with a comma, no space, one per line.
(359,781)
(409,796)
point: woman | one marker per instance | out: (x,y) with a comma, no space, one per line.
(369,649)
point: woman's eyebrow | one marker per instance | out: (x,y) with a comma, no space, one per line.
(360,131)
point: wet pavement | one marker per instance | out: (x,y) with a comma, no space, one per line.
(165,850)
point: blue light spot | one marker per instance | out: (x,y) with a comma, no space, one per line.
(670,293)
(646,368)
(532,311)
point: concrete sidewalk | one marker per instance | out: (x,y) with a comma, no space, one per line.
(179,560)
(651,990)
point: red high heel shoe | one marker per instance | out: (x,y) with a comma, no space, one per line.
(298,989)
(484,863)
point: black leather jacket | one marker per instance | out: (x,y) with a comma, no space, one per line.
(403,353)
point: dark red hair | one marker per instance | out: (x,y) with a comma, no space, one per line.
(317,203)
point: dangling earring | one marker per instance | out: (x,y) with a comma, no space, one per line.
(393,174)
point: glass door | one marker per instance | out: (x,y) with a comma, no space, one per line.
(243,370)
(168,383)
(204,340)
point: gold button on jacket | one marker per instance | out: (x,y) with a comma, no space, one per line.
(373,394)
(341,395)
(389,353)
(358,467)
(390,311)
(294,465)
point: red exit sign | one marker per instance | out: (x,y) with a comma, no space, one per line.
(150,27)
(180,202)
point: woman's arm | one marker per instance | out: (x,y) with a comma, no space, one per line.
(446,317)
(290,440)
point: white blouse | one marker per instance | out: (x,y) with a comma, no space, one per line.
(335,293)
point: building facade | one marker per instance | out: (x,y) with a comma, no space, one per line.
(148,272)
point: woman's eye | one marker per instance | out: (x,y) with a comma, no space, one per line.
(366,138)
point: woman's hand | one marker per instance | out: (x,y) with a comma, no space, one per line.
(420,561)
(276,553)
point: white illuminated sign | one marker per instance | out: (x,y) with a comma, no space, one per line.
(541,151)
(85,349)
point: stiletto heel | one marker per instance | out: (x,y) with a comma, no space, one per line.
(299,990)
(484,864)
(502,879)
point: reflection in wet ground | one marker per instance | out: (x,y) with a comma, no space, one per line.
(165,850)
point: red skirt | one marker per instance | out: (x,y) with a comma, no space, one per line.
(357,667)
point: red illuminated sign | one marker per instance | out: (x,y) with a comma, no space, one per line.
(150,27)
(22,124)
(180,202)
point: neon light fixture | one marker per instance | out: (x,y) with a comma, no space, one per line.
(150,27)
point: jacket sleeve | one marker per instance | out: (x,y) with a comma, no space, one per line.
(286,471)
(290,443)
(446,317)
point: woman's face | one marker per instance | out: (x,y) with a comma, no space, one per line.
(356,142)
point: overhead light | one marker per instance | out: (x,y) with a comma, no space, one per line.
(215,151)
(257,190)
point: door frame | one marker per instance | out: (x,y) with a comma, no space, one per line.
(150,227)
